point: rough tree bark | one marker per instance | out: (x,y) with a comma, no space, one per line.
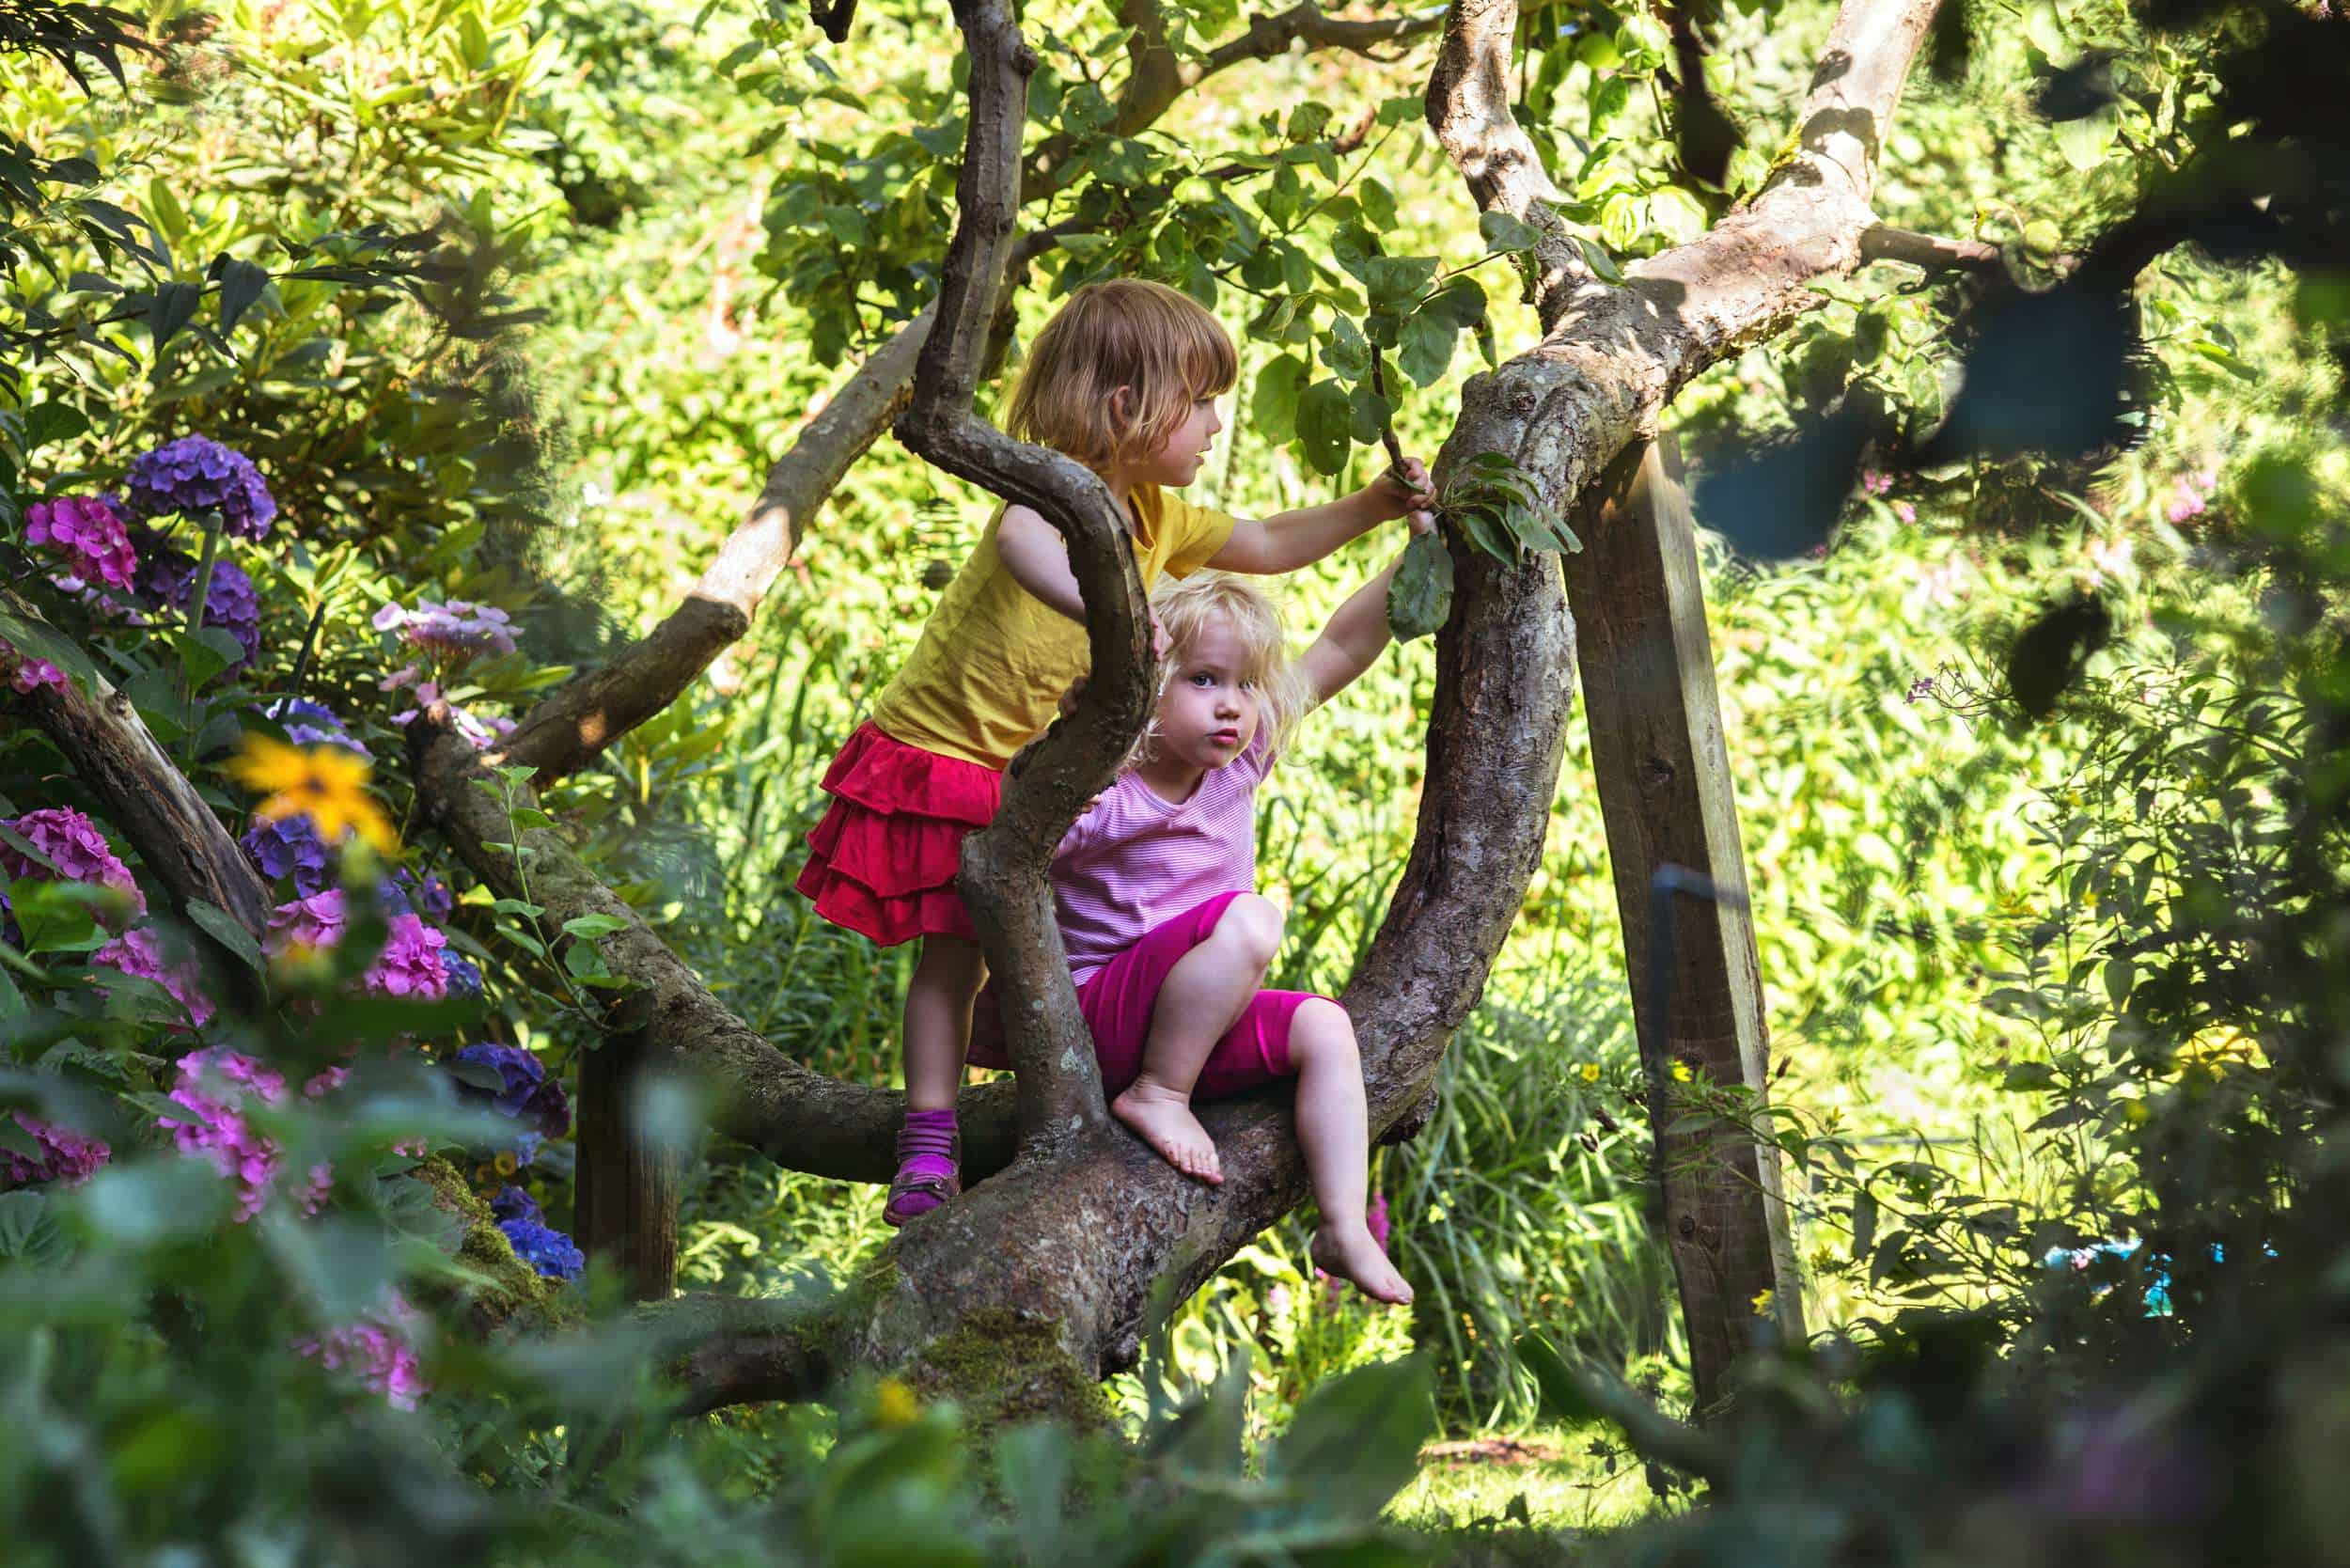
(1059,1253)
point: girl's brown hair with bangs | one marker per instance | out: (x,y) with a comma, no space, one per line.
(1125,332)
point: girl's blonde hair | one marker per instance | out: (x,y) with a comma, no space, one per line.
(1125,332)
(1185,607)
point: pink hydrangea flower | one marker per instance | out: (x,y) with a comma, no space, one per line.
(139,953)
(73,844)
(380,1350)
(26,676)
(214,1086)
(67,1158)
(84,531)
(317,922)
(410,964)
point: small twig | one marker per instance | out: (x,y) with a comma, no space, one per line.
(1935,254)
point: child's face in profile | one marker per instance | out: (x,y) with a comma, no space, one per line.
(1208,711)
(1179,458)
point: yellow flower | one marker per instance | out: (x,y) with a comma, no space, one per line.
(325,783)
(1762,1304)
(894,1404)
(2134,1112)
(1681,1072)
(1590,1072)
(505,1162)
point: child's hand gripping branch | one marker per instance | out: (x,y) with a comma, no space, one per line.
(1169,941)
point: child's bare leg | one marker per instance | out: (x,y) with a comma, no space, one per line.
(1203,994)
(1333,1132)
(947,979)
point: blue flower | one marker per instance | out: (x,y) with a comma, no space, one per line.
(166,580)
(197,474)
(308,723)
(510,1203)
(290,846)
(528,1094)
(551,1252)
(464,977)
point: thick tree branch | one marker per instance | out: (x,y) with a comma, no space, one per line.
(142,792)
(1003,880)
(1469,108)
(800,1119)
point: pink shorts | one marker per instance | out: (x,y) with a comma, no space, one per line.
(1117,1000)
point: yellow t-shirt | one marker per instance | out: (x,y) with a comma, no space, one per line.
(994,658)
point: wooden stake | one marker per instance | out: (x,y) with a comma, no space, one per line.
(1639,604)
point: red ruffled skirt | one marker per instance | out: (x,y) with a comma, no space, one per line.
(883,861)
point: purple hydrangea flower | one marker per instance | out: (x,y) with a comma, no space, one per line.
(512,1202)
(528,1095)
(139,953)
(73,844)
(453,632)
(84,531)
(213,1088)
(66,1156)
(464,977)
(289,847)
(197,474)
(551,1252)
(308,723)
(379,1351)
(405,893)
(167,579)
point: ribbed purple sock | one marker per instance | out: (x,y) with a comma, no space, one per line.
(925,1148)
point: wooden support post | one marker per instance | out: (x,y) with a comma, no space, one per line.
(627,1187)
(1665,791)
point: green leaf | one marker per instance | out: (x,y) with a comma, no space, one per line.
(1864,1223)
(52,421)
(477,1074)
(1378,202)
(1371,415)
(1274,403)
(241,283)
(202,654)
(172,308)
(1323,414)
(2121,974)
(1420,600)
(224,928)
(1462,302)
(593,926)
(1506,231)
(28,1232)
(1347,353)
(1083,245)
(1426,351)
(1355,1440)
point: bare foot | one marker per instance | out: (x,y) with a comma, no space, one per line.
(1353,1255)
(1162,1118)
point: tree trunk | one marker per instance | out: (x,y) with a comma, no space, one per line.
(626,1183)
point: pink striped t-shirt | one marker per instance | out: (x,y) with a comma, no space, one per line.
(1136,860)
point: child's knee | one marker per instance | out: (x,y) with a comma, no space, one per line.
(1319,1030)
(1253,925)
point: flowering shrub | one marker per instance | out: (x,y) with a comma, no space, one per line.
(308,723)
(65,1157)
(84,531)
(197,474)
(71,844)
(288,848)
(449,633)
(25,675)
(526,1092)
(410,964)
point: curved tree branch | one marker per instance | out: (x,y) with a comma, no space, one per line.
(1468,107)
(1003,880)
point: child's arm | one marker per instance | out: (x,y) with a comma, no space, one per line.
(1037,558)
(1294,539)
(1353,641)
